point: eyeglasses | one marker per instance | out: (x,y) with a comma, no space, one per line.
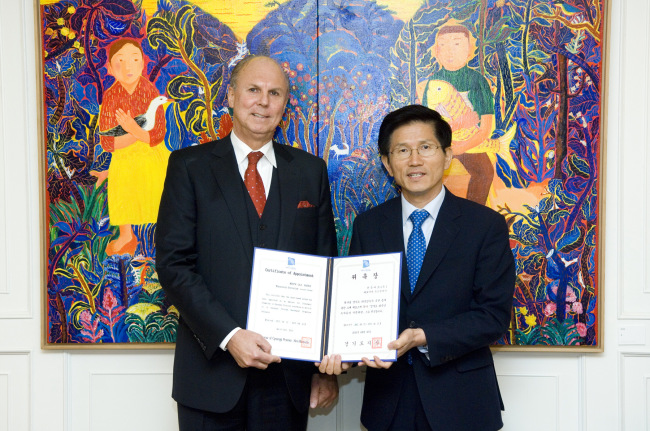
(425,150)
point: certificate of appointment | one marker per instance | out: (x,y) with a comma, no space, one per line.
(309,306)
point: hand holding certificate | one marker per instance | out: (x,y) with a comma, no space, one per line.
(309,306)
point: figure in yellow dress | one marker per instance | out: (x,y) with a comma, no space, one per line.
(132,128)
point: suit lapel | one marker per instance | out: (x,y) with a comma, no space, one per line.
(392,232)
(442,237)
(224,168)
(288,178)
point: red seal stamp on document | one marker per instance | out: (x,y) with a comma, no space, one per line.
(376,342)
(305,342)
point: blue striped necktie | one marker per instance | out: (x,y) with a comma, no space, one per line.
(416,247)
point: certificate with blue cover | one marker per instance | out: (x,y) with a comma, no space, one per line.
(309,306)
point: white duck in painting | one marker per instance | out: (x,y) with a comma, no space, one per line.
(147,120)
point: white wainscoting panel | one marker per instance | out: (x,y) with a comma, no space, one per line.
(635,390)
(15,39)
(540,391)
(4,402)
(519,396)
(4,81)
(114,390)
(634,238)
(14,391)
(131,401)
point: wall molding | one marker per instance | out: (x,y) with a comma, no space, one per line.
(629,405)
(15,103)
(15,375)
(633,165)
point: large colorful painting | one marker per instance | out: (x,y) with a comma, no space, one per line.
(127,82)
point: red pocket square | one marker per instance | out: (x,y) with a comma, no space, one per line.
(305,204)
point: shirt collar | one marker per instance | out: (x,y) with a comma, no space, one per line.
(242,150)
(433,207)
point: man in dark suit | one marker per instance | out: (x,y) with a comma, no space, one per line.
(220,200)
(457,288)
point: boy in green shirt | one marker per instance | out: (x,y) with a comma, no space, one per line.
(453,49)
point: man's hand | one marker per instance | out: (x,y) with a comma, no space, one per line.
(332,365)
(250,349)
(324,390)
(409,338)
(376,363)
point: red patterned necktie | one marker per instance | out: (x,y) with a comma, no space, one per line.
(254,183)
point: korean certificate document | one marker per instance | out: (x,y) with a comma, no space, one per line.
(309,306)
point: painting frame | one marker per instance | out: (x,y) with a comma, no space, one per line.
(328,150)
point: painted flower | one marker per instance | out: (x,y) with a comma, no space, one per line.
(109,301)
(571,295)
(531,320)
(550,309)
(582,329)
(577,307)
(143,309)
(86,318)
(151,287)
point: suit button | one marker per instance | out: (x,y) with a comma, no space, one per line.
(262,226)
(412,324)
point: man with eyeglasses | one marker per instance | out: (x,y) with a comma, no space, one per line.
(457,287)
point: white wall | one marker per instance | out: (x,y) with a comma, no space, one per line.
(73,390)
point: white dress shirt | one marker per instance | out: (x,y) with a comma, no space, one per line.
(265,167)
(433,208)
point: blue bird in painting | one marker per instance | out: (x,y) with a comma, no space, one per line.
(567,9)
(147,120)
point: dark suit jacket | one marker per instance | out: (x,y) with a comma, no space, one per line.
(462,301)
(204,255)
